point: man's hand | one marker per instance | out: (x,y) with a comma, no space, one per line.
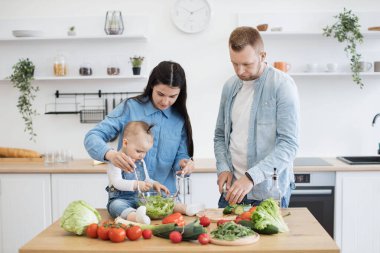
(160,187)
(238,190)
(120,160)
(224,178)
(144,186)
(187,167)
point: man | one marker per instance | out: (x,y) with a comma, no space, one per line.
(257,125)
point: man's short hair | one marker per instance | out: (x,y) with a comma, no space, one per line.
(243,36)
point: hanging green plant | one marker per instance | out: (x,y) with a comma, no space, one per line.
(22,77)
(347,30)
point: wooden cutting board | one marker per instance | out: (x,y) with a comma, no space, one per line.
(242,241)
(216,214)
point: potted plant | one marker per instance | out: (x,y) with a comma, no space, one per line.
(136,64)
(22,77)
(347,29)
(71,31)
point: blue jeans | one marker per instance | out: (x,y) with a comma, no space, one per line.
(121,203)
(121,207)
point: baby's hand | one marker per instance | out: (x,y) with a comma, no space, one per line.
(159,187)
(144,186)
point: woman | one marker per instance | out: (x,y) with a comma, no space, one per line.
(163,104)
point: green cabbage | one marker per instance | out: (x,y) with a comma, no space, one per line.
(78,215)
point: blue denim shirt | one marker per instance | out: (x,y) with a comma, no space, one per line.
(273,133)
(170,140)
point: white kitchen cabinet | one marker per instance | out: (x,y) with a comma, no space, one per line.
(69,187)
(205,190)
(25,208)
(357,219)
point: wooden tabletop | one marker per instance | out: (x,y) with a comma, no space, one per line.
(306,235)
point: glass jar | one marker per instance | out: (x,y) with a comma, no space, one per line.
(60,67)
(184,189)
(85,70)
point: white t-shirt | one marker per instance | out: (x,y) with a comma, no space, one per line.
(240,117)
(116,180)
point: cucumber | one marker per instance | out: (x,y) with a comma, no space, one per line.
(228,209)
(246,223)
(190,232)
(268,230)
(239,209)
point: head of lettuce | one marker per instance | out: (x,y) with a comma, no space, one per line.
(78,215)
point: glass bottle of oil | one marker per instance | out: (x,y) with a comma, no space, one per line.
(275,192)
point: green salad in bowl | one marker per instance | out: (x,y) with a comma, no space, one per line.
(157,206)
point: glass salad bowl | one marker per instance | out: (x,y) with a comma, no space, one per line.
(157,206)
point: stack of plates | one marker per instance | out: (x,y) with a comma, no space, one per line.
(27,33)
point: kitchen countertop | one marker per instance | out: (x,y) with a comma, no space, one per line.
(202,166)
(306,235)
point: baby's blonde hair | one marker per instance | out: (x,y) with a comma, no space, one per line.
(138,129)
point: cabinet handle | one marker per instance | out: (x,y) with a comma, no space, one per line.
(313,191)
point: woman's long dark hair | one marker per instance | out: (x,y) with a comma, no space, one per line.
(171,74)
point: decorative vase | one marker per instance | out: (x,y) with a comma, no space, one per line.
(114,23)
(136,71)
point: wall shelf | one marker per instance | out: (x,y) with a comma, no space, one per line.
(73,78)
(306,74)
(135,37)
(295,34)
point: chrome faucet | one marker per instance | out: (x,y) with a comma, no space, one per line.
(374,119)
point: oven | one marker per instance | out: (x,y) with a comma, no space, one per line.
(315,190)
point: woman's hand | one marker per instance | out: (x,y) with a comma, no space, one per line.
(187,167)
(120,160)
(160,187)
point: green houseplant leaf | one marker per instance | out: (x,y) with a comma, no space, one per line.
(136,61)
(22,77)
(347,30)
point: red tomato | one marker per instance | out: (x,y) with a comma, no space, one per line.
(204,239)
(204,221)
(220,222)
(117,234)
(147,233)
(103,232)
(175,237)
(134,233)
(92,230)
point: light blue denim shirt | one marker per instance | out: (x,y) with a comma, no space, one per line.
(273,132)
(170,140)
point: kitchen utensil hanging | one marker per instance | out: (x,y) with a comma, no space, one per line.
(93,108)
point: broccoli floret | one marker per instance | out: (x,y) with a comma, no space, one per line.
(268,213)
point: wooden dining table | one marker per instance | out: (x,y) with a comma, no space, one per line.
(305,235)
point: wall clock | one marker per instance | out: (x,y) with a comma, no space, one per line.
(191,16)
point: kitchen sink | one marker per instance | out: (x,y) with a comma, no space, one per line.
(357,160)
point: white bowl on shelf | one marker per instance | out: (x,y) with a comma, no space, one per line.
(27,33)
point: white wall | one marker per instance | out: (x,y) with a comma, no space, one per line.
(336,115)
